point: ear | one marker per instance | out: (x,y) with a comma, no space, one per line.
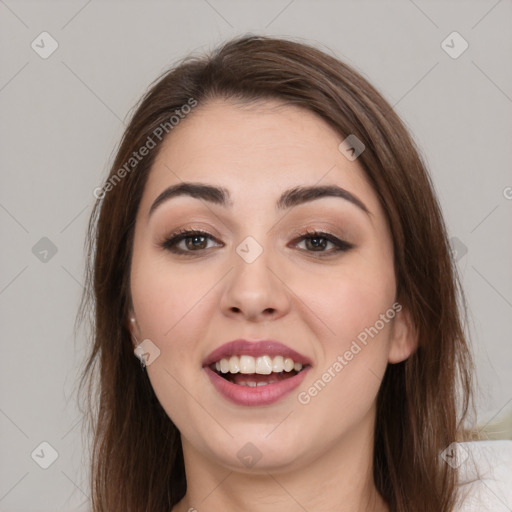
(404,337)
(133,327)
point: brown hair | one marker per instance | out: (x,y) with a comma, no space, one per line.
(137,460)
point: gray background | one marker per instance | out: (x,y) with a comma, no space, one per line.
(62,117)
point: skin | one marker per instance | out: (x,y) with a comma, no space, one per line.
(316,456)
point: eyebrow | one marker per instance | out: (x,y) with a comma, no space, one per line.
(221,196)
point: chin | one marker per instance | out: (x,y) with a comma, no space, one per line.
(253,450)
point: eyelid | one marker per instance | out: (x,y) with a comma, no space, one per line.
(341,244)
(171,241)
(181,234)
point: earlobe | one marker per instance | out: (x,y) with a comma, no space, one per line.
(404,339)
(134,329)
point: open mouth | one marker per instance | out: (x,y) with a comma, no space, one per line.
(245,370)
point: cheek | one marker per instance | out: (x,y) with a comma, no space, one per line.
(348,299)
(360,304)
(167,300)
(170,306)
(342,391)
(359,309)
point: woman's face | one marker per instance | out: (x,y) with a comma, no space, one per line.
(254,273)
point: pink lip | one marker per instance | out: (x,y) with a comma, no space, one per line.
(255,349)
(261,395)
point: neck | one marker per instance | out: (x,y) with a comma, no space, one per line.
(339,479)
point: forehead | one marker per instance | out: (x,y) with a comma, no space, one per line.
(256,151)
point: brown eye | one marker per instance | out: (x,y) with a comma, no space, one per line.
(194,241)
(318,241)
(197,241)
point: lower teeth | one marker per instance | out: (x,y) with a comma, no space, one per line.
(252,384)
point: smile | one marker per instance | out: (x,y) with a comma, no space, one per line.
(255,373)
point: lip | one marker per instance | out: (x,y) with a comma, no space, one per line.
(260,395)
(255,349)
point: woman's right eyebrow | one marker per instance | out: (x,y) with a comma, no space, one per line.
(221,196)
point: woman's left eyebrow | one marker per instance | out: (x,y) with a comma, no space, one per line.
(221,196)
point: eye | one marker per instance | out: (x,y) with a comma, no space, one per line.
(316,241)
(194,241)
(197,241)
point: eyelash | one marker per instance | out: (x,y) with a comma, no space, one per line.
(171,242)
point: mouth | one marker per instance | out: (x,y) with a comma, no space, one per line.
(255,373)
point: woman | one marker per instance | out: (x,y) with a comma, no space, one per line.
(269,246)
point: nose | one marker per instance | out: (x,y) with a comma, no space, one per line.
(255,291)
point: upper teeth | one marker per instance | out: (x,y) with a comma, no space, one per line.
(263,365)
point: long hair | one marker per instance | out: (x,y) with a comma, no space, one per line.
(423,403)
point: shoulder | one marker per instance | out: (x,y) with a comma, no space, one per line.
(485,471)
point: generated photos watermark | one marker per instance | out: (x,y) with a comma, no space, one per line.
(158,133)
(304,397)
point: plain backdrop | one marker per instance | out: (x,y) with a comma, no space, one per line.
(62,116)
